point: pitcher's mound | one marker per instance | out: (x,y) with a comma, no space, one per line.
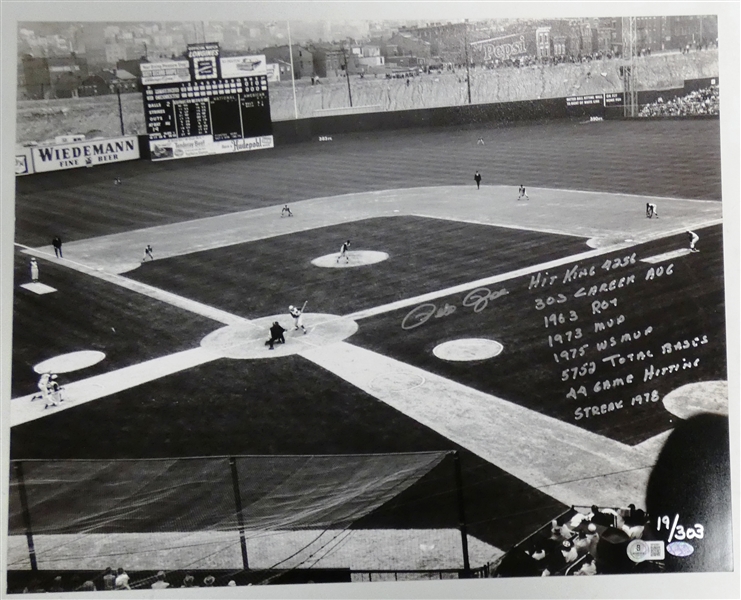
(468,349)
(356,258)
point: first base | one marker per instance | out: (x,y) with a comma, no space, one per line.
(38,288)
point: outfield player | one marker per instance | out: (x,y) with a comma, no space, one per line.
(343,252)
(286,212)
(477,179)
(481,141)
(652,210)
(693,240)
(298,317)
(57,243)
(522,193)
(148,253)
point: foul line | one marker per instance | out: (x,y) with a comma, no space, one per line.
(145,289)
(464,287)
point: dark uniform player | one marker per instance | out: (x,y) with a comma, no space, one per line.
(343,251)
(477,179)
(651,210)
(523,194)
(286,212)
(148,253)
(57,243)
(276,335)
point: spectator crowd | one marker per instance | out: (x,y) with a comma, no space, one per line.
(579,542)
(699,102)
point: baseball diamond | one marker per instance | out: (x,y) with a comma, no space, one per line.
(554,343)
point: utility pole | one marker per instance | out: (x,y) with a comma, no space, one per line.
(120,109)
(468,72)
(293,74)
(347,75)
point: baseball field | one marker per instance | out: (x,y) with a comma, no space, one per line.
(553,341)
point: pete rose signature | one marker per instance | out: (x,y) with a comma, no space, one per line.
(478,299)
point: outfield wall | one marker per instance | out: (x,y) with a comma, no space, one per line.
(286,132)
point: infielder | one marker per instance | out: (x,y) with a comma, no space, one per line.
(693,240)
(148,253)
(298,317)
(651,210)
(343,251)
(522,193)
(285,211)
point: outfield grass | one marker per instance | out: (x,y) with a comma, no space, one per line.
(261,278)
(685,305)
(638,157)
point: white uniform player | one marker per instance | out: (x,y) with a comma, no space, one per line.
(522,193)
(298,317)
(693,240)
(652,210)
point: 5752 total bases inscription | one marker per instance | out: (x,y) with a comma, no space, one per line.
(604,361)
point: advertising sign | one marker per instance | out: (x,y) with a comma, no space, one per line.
(501,48)
(23,161)
(204,145)
(240,66)
(84,154)
(174,71)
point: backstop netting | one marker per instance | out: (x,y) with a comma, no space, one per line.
(247,512)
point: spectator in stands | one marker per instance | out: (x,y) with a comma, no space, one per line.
(557,532)
(189,581)
(88,586)
(632,521)
(601,517)
(109,579)
(122,580)
(593,538)
(56,586)
(582,542)
(33,587)
(569,552)
(588,567)
(160,584)
(232,583)
(209,580)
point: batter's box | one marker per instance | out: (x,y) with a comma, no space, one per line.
(38,288)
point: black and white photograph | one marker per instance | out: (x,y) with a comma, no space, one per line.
(370,299)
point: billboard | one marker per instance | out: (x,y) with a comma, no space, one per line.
(501,48)
(171,71)
(86,153)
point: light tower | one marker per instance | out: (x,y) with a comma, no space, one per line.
(627,70)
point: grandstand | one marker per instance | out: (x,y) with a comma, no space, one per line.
(481,367)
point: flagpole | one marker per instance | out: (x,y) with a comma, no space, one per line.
(293,78)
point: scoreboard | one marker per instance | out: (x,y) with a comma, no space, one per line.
(207,104)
